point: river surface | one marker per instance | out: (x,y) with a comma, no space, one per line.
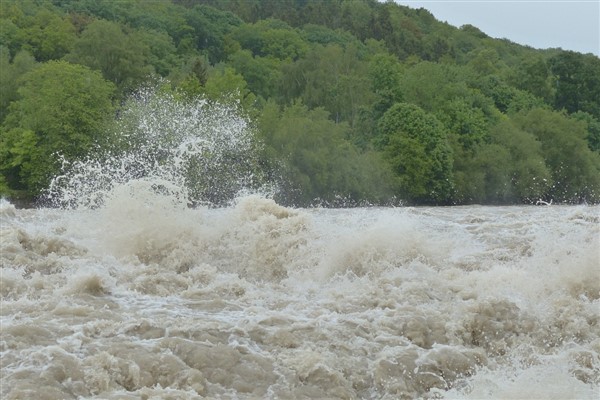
(141,299)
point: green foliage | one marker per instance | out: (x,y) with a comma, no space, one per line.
(262,74)
(465,121)
(121,58)
(159,50)
(227,86)
(386,76)
(415,144)
(574,167)
(10,72)
(593,129)
(40,30)
(8,36)
(356,16)
(377,91)
(331,77)
(430,85)
(437,47)
(211,28)
(509,169)
(534,76)
(271,38)
(48,36)
(197,28)
(577,82)
(523,168)
(484,61)
(60,113)
(319,34)
(507,99)
(318,164)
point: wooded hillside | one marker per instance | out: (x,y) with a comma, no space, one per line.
(355,101)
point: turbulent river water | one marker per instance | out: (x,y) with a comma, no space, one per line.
(131,287)
(140,299)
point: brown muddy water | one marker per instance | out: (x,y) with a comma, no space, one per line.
(140,299)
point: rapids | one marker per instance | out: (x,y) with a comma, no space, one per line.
(156,277)
(139,299)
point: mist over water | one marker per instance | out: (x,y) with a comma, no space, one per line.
(128,292)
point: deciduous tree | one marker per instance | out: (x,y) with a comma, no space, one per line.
(104,46)
(575,168)
(61,112)
(415,144)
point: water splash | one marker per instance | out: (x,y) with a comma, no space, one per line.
(189,151)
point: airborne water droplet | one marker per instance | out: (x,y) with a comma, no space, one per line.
(193,151)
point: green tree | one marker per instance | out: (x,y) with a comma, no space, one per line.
(331,77)
(36,27)
(577,82)
(482,177)
(468,175)
(211,28)
(415,144)
(467,39)
(534,75)
(350,62)
(593,129)
(61,112)
(262,74)
(574,167)
(161,51)
(527,176)
(385,73)
(271,38)
(283,44)
(10,72)
(507,99)
(48,36)
(8,36)
(315,162)
(120,57)
(356,17)
(227,86)
(319,34)
(467,130)
(431,86)
(485,61)
(466,121)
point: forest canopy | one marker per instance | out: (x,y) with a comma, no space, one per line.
(354,101)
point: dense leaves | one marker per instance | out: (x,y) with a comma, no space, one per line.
(575,169)
(355,101)
(120,57)
(316,158)
(414,143)
(60,114)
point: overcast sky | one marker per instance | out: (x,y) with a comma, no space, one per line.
(568,24)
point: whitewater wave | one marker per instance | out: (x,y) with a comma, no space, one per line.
(143,299)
